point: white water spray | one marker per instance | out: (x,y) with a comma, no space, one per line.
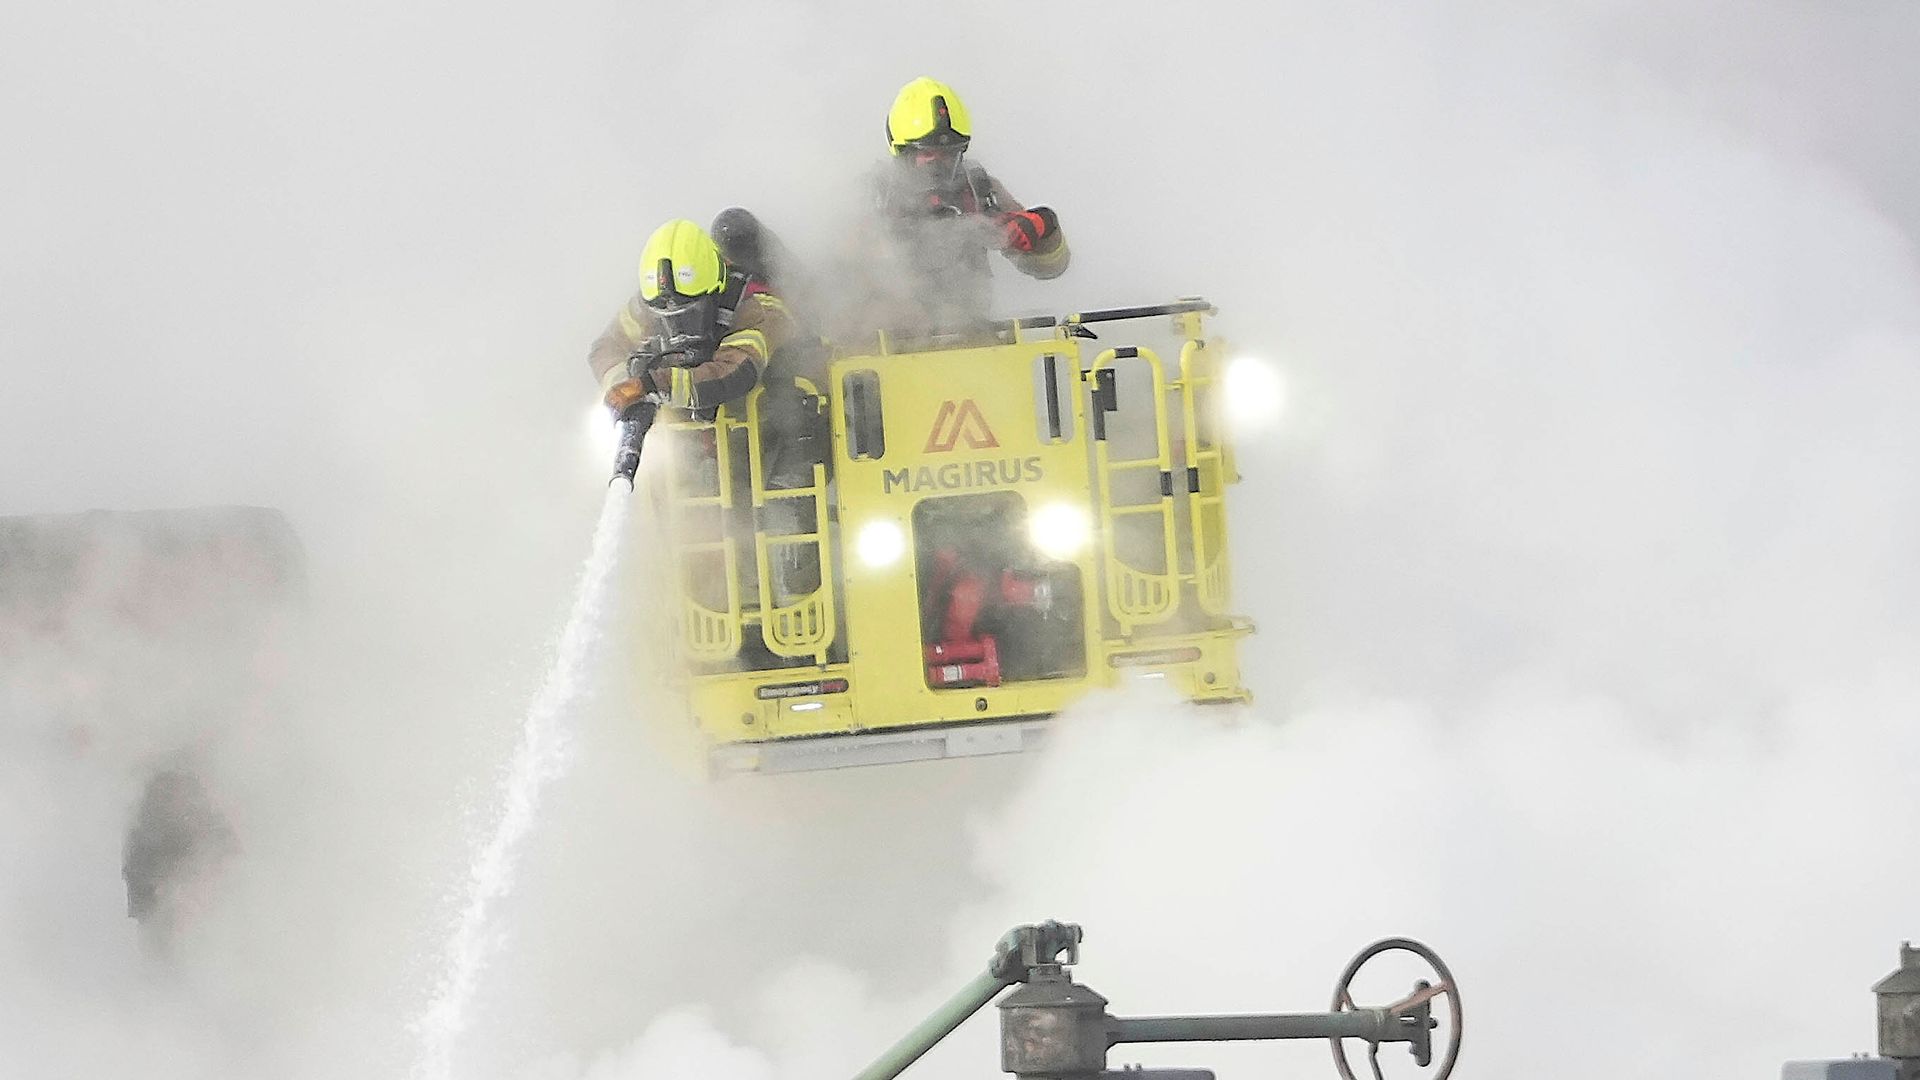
(540,756)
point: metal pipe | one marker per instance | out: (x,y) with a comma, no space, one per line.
(1112,314)
(1373,1025)
(971,998)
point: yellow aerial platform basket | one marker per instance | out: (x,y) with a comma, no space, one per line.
(974,537)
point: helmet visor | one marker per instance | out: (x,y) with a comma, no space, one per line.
(936,163)
(928,157)
(677,305)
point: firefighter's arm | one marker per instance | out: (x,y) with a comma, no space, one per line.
(761,326)
(608,356)
(1030,237)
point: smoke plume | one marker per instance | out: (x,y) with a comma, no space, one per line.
(1581,555)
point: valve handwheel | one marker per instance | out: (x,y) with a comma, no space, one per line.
(1414,1009)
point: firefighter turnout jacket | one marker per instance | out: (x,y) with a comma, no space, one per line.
(937,239)
(750,324)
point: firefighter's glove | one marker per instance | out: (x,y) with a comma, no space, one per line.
(625,394)
(1022,230)
(671,385)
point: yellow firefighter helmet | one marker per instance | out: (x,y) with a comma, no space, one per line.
(680,263)
(927,113)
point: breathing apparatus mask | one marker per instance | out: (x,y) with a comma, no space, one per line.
(689,324)
(688,329)
(935,172)
(935,167)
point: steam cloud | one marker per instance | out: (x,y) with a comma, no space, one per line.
(1582,557)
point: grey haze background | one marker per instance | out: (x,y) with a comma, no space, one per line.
(1583,559)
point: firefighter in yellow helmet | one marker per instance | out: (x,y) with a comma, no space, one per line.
(698,334)
(943,215)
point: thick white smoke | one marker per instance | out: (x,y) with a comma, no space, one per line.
(1585,561)
(540,756)
(1581,557)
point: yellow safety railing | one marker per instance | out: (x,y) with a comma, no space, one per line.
(1136,596)
(803,626)
(1208,473)
(710,635)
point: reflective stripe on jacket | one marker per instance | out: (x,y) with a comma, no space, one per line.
(761,326)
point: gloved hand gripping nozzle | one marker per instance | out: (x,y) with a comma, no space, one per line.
(634,403)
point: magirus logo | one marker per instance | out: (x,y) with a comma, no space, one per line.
(956,422)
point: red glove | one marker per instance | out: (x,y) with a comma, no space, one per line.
(1025,228)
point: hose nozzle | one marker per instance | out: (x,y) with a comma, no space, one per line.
(633,432)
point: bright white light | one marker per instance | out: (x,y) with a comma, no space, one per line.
(1059,530)
(808,706)
(603,433)
(1252,395)
(880,544)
